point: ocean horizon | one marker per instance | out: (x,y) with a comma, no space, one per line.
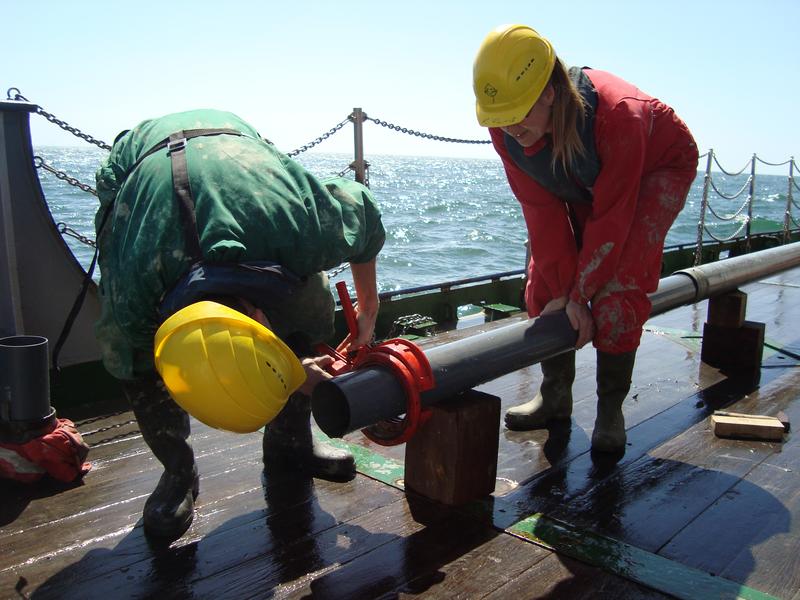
(445,218)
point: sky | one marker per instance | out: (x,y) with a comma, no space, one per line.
(296,69)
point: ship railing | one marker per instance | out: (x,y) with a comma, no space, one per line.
(742,217)
(707,229)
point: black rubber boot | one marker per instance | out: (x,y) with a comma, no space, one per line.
(613,383)
(289,445)
(553,402)
(169,510)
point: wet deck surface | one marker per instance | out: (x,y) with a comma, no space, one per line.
(682,514)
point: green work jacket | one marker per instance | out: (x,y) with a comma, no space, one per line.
(252,203)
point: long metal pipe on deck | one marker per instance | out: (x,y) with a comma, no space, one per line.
(369,395)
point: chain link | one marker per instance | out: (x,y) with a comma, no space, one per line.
(338,270)
(428,136)
(772,164)
(728,217)
(414,320)
(321,138)
(39,163)
(53,119)
(732,174)
(344,171)
(730,237)
(352,168)
(744,187)
(401,325)
(65,229)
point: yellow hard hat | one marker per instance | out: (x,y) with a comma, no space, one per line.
(224,368)
(511,70)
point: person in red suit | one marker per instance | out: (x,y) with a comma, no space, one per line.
(601,170)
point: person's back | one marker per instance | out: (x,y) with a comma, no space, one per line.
(252,203)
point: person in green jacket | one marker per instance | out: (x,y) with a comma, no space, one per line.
(200,192)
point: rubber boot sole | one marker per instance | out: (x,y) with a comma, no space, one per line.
(175,529)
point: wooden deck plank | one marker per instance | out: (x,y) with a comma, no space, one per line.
(562,577)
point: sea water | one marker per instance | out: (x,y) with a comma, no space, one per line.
(445,218)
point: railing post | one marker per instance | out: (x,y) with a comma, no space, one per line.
(359,164)
(698,249)
(787,215)
(750,200)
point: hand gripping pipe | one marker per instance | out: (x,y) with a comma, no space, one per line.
(371,394)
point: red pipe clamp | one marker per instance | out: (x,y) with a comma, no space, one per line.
(407,362)
(411,367)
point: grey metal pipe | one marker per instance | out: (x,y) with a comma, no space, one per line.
(364,397)
(24,378)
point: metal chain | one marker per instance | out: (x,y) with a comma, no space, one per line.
(64,229)
(39,163)
(428,136)
(729,217)
(411,320)
(338,270)
(731,197)
(321,138)
(731,174)
(735,233)
(402,324)
(53,119)
(771,164)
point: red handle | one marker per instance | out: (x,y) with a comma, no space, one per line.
(347,308)
(342,364)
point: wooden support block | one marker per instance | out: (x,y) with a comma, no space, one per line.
(752,427)
(452,458)
(733,348)
(727,310)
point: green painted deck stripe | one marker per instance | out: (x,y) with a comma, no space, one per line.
(687,339)
(635,564)
(370,463)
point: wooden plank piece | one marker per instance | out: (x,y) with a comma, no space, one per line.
(781,416)
(747,427)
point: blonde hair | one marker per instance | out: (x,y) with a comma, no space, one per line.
(569,112)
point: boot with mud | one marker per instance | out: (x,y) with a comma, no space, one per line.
(290,446)
(169,510)
(613,383)
(553,402)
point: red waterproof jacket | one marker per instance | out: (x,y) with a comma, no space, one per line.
(635,134)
